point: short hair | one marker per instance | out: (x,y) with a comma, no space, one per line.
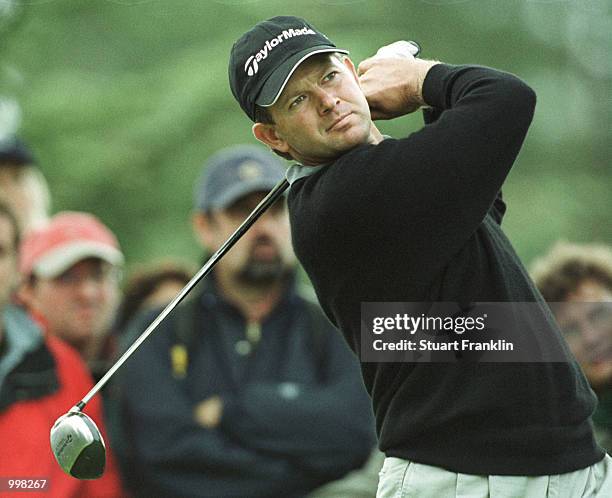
(567,265)
(262,115)
(9,215)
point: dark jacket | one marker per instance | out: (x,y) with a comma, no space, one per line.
(295,414)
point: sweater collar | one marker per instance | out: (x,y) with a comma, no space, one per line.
(297,171)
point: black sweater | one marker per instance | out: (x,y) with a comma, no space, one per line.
(418,219)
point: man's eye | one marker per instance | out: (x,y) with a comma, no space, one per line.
(296,101)
(330,76)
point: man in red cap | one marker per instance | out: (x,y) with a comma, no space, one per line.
(40,377)
(70,269)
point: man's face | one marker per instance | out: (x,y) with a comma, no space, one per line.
(21,188)
(322,112)
(8,261)
(586,320)
(263,255)
(78,305)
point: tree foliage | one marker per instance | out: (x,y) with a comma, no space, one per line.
(123,100)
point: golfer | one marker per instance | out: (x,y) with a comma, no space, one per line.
(418,219)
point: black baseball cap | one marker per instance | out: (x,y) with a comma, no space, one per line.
(235,172)
(265,57)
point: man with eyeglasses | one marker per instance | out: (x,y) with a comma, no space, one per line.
(576,280)
(70,271)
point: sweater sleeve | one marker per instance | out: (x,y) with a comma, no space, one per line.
(326,427)
(439,182)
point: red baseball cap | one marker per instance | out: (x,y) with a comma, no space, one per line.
(68,238)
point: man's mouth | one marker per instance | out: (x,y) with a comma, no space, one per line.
(338,122)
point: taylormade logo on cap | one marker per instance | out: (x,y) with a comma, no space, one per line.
(251,66)
(263,59)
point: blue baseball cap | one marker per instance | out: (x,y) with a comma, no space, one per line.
(234,172)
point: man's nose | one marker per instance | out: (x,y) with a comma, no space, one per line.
(89,287)
(327,101)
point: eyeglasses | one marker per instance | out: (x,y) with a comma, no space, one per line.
(596,315)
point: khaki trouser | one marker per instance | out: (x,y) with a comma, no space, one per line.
(360,483)
(404,479)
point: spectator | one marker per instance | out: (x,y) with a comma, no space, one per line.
(22,185)
(247,391)
(151,287)
(576,279)
(71,281)
(40,379)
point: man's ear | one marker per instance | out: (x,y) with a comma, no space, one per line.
(266,133)
(351,67)
(24,293)
(203,229)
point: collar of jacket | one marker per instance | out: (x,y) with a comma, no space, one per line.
(27,368)
(210,295)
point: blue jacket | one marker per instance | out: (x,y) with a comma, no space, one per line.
(296,414)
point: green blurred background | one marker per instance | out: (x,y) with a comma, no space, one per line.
(123,100)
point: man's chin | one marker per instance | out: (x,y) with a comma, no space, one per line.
(263,274)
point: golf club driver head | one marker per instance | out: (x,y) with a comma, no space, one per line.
(78,446)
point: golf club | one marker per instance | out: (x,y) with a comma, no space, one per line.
(76,441)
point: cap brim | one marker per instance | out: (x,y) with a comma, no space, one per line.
(58,261)
(240,190)
(276,82)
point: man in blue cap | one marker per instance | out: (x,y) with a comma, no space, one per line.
(248,390)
